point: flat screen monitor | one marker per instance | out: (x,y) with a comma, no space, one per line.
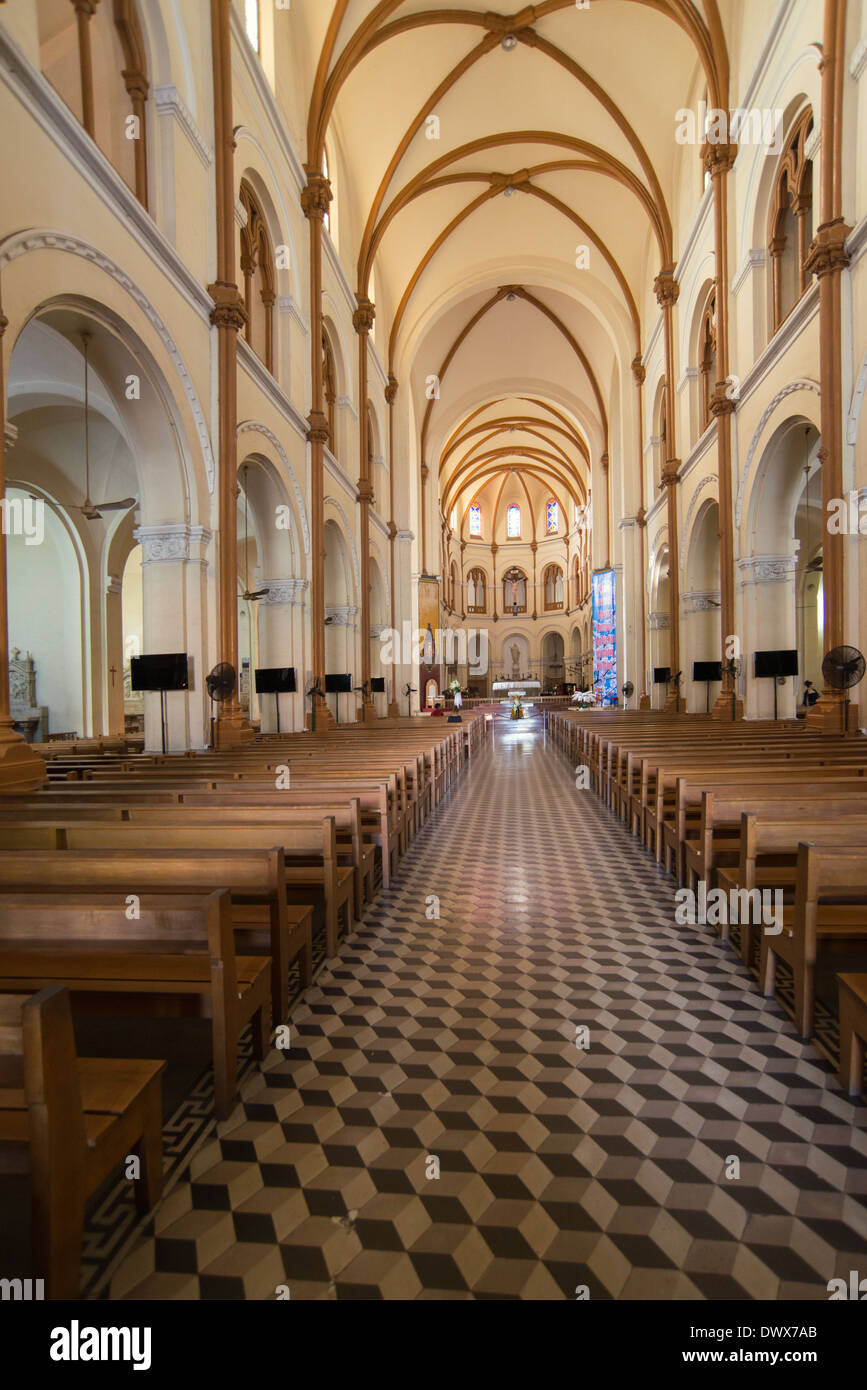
(275,680)
(338,685)
(377,685)
(777,663)
(707,670)
(661,675)
(159,671)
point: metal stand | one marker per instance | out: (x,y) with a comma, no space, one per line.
(277,708)
(163,716)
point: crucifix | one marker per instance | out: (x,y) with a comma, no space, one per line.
(112,669)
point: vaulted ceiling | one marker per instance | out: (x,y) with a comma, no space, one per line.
(510,183)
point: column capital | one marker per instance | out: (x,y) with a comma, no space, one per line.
(315,195)
(604,461)
(638,369)
(641,516)
(718,156)
(670,472)
(666,288)
(425,472)
(827,254)
(721,402)
(318,431)
(391,390)
(228,310)
(363,315)
(364,490)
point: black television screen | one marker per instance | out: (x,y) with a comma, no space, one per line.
(162,671)
(275,680)
(707,670)
(377,685)
(338,685)
(778,663)
(661,675)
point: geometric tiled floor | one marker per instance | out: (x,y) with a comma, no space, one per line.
(449,1045)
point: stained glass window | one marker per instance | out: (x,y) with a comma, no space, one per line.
(475,521)
(552,518)
(513,522)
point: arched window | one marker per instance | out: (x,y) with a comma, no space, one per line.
(257,270)
(95,59)
(329,389)
(707,365)
(251,24)
(453,586)
(326,220)
(552,518)
(513,522)
(663,433)
(475,520)
(514,591)
(791,221)
(453,518)
(476,596)
(553,587)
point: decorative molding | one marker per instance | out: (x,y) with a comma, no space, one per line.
(10,434)
(858,61)
(350,537)
(46,239)
(240,214)
(43,104)
(260,428)
(406,535)
(283,591)
(755,258)
(701,601)
(855,407)
(767,569)
(707,481)
(857,241)
(287,304)
(341,615)
(113,587)
(687,375)
(256,369)
(813,143)
(802,384)
(169,102)
(658,622)
(346,403)
(171,544)
(652,442)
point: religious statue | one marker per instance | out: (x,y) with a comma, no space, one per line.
(517,709)
(516,656)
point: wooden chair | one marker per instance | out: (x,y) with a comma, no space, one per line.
(70,1120)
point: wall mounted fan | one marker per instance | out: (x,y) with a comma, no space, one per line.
(842,668)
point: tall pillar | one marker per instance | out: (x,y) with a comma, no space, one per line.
(639,373)
(604,464)
(20,768)
(229,317)
(667,290)
(315,197)
(362,322)
(718,159)
(84,10)
(390,397)
(827,260)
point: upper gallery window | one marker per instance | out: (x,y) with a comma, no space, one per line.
(791,221)
(257,268)
(453,518)
(251,23)
(708,357)
(326,220)
(329,389)
(475,520)
(513,522)
(552,518)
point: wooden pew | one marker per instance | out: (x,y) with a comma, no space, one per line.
(309,851)
(829,913)
(71,1121)
(178,951)
(853,1031)
(254,876)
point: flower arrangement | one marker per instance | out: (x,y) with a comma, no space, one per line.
(585,698)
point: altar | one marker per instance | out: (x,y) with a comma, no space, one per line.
(516,688)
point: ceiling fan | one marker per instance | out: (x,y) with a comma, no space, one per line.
(92,511)
(249,594)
